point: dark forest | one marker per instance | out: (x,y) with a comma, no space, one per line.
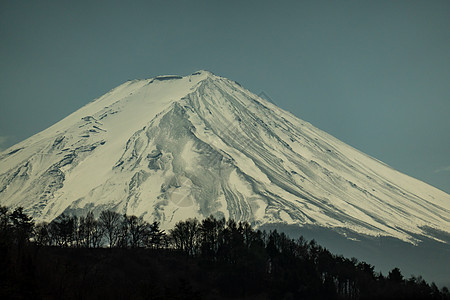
(116,256)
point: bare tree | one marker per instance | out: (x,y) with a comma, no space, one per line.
(97,234)
(88,230)
(138,230)
(110,221)
(185,236)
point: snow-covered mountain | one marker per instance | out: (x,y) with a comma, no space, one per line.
(174,147)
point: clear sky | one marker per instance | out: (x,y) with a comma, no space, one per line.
(375,74)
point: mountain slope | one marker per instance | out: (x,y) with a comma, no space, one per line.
(174,147)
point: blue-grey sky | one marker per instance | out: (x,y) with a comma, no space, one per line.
(375,74)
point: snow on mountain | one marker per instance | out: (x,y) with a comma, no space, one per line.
(174,147)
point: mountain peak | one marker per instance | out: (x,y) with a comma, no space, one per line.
(203,72)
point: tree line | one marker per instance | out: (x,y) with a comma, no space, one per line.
(110,229)
(245,261)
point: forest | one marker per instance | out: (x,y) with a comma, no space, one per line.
(114,256)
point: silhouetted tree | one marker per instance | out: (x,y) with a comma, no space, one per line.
(185,236)
(22,226)
(4,217)
(231,242)
(62,230)
(5,227)
(395,276)
(41,234)
(90,232)
(110,221)
(155,238)
(138,230)
(210,231)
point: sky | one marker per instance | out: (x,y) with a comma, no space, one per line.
(374,74)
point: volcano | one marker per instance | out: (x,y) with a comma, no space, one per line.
(175,147)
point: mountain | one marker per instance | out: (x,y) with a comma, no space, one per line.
(173,147)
